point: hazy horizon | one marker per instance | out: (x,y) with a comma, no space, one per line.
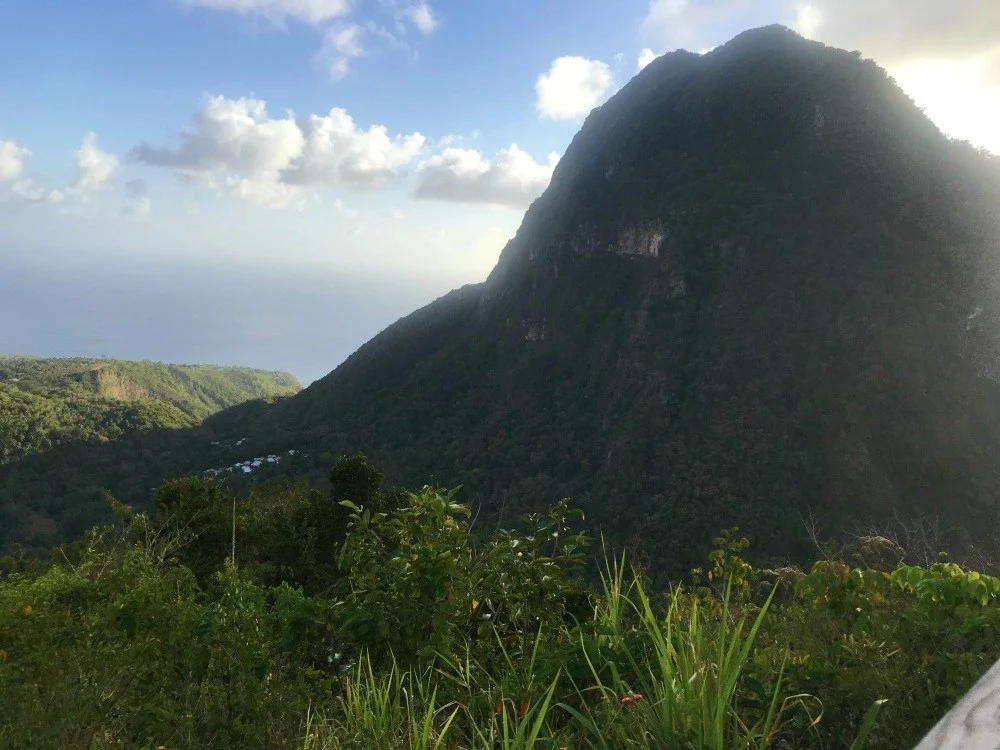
(305,322)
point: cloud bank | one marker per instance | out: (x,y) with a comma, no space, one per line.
(511,178)
(12,157)
(236,145)
(94,167)
(571,87)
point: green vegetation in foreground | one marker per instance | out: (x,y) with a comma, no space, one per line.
(49,402)
(373,618)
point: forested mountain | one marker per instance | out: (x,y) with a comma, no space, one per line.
(49,402)
(761,286)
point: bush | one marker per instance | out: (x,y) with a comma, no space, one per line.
(402,628)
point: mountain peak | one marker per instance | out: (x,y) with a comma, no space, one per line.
(767,38)
(767,111)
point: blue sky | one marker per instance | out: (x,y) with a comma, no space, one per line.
(389,145)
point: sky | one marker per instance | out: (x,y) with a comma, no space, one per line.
(272,182)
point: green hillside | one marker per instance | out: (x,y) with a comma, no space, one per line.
(371,618)
(46,403)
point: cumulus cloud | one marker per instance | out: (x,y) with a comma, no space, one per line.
(94,167)
(341,44)
(645,58)
(12,158)
(422,17)
(236,146)
(229,135)
(336,150)
(307,11)
(572,87)
(14,187)
(511,178)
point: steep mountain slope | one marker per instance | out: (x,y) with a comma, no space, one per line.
(761,285)
(50,402)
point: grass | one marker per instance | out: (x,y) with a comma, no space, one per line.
(654,677)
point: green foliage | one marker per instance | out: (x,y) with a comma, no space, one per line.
(418,584)
(42,406)
(34,423)
(45,403)
(919,636)
(408,575)
(60,412)
(410,631)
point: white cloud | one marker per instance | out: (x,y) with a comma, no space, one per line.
(235,146)
(645,58)
(511,178)
(12,158)
(341,44)
(229,135)
(94,167)
(307,11)
(422,17)
(17,189)
(572,87)
(336,150)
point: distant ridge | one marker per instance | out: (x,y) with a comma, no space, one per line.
(46,402)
